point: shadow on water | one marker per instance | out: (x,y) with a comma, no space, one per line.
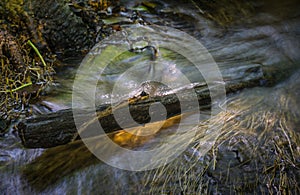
(257,150)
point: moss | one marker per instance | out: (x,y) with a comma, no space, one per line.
(12,10)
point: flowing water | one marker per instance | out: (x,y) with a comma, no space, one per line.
(260,45)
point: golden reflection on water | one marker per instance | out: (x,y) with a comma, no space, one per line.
(135,137)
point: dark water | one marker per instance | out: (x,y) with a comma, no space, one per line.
(263,44)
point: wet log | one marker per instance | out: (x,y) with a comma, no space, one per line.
(59,128)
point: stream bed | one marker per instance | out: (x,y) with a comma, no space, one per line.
(257,147)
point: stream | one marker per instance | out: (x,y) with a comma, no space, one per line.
(261,123)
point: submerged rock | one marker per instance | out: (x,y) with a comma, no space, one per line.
(60,27)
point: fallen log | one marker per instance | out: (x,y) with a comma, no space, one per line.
(59,128)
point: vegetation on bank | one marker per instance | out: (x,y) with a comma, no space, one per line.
(28,50)
(24,73)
